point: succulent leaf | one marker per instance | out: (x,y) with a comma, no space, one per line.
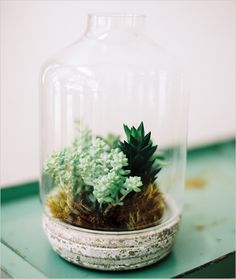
(127,131)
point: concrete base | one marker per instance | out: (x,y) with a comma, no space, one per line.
(111,250)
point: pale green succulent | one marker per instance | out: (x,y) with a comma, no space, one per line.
(62,167)
(103,169)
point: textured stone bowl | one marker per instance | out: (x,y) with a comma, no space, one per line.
(106,250)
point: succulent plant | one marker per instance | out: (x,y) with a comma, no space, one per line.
(103,169)
(92,165)
(140,151)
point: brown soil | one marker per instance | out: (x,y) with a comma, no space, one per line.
(140,210)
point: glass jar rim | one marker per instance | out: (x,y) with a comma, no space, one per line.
(116,15)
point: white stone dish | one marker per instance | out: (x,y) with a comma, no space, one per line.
(114,250)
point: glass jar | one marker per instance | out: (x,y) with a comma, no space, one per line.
(113,130)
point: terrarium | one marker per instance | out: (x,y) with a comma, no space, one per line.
(113,147)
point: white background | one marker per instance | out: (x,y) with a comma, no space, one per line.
(201,32)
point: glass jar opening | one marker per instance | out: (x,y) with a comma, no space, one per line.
(110,21)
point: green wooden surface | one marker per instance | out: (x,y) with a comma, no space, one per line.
(204,244)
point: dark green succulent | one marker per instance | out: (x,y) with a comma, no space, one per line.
(141,154)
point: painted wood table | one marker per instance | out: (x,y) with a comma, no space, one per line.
(205,243)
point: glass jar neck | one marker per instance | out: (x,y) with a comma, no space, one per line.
(102,23)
